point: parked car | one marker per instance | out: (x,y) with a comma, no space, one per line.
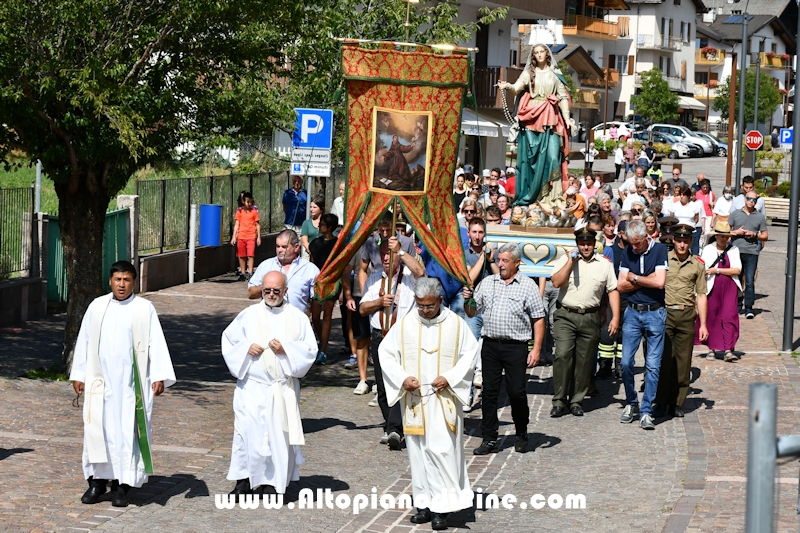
(678,148)
(686,135)
(721,147)
(624,130)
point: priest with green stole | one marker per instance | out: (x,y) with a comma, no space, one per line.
(428,360)
(121,363)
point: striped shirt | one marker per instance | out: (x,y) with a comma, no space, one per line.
(508,308)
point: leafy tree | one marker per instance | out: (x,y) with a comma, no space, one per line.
(769,97)
(655,102)
(98,88)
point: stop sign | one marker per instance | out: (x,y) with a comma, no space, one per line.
(754,140)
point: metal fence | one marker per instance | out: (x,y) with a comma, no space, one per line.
(164,205)
(16,226)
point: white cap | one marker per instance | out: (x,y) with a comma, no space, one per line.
(486,173)
(459,172)
(571,191)
(511,170)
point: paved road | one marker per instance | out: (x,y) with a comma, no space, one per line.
(688,475)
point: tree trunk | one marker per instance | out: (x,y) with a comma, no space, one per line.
(81,217)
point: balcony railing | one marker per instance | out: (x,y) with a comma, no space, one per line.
(675,83)
(613,80)
(776,62)
(486,78)
(590,27)
(702,92)
(587,99)
(659,42)
(717,58)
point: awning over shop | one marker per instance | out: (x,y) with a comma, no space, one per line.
(687,102)
(477,125)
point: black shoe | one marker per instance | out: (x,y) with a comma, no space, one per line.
(97,487)
(119,495)
(659,411)
(242,487)
(576,410)
(486,447)
(438,522)
(394,440)
(261,490)
(677,411)
(521,444)
(423,516)
(592,391)
(558,411)
(241,278)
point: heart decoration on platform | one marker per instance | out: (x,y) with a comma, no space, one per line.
(536,253)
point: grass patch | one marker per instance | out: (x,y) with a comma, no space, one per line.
(54,373)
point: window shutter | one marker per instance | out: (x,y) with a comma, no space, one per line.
(715,76)
(683,70)
(630,65)
(612,61)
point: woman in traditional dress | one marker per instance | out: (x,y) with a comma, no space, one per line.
(723,266)
(543,141)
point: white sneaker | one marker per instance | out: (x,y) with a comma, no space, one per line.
(385,438)
(477,380)
(374,402)
(361,388)
(375,388)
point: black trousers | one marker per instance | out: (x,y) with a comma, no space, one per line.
(392,416)
(512,358)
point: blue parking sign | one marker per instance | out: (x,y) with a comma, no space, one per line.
(313,129)
(787,135)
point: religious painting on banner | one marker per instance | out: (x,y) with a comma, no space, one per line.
(400,151)
(404,118)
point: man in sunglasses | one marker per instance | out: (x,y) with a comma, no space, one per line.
(268,347)
(749,229)
(677,180)
(748,185)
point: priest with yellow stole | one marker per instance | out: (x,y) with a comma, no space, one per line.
(428,360)
(121,362)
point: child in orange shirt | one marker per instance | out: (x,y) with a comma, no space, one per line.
(246,234)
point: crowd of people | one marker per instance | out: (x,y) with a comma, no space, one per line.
(636,276)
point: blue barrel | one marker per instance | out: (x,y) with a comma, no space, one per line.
(210,225)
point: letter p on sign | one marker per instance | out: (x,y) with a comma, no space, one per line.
(313,129)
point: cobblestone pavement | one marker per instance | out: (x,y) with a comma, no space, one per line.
(687,475)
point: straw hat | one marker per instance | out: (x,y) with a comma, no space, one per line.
(721,228)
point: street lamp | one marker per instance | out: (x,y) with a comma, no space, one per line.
(742,80)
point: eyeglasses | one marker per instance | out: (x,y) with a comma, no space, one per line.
(636,211)
(429,307)
(266,291)
(751,198)
(469,211)
(492,220)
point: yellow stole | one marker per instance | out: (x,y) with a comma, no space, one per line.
(411,354)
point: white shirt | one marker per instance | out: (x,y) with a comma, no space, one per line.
(628,183)
(629,201)
(619,157)
(300,279)
(701,213)
(338,209)
(723,207)
(685,213)
(404,295)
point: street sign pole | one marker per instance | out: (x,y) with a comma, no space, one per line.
(755,107)
(740,125)
(794,204)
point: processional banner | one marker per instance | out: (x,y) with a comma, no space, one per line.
(404,117)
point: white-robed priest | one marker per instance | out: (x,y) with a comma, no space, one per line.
(268,347)
(428,360)
(121,363)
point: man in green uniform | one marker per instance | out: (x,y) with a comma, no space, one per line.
(581,277)
(685,286)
